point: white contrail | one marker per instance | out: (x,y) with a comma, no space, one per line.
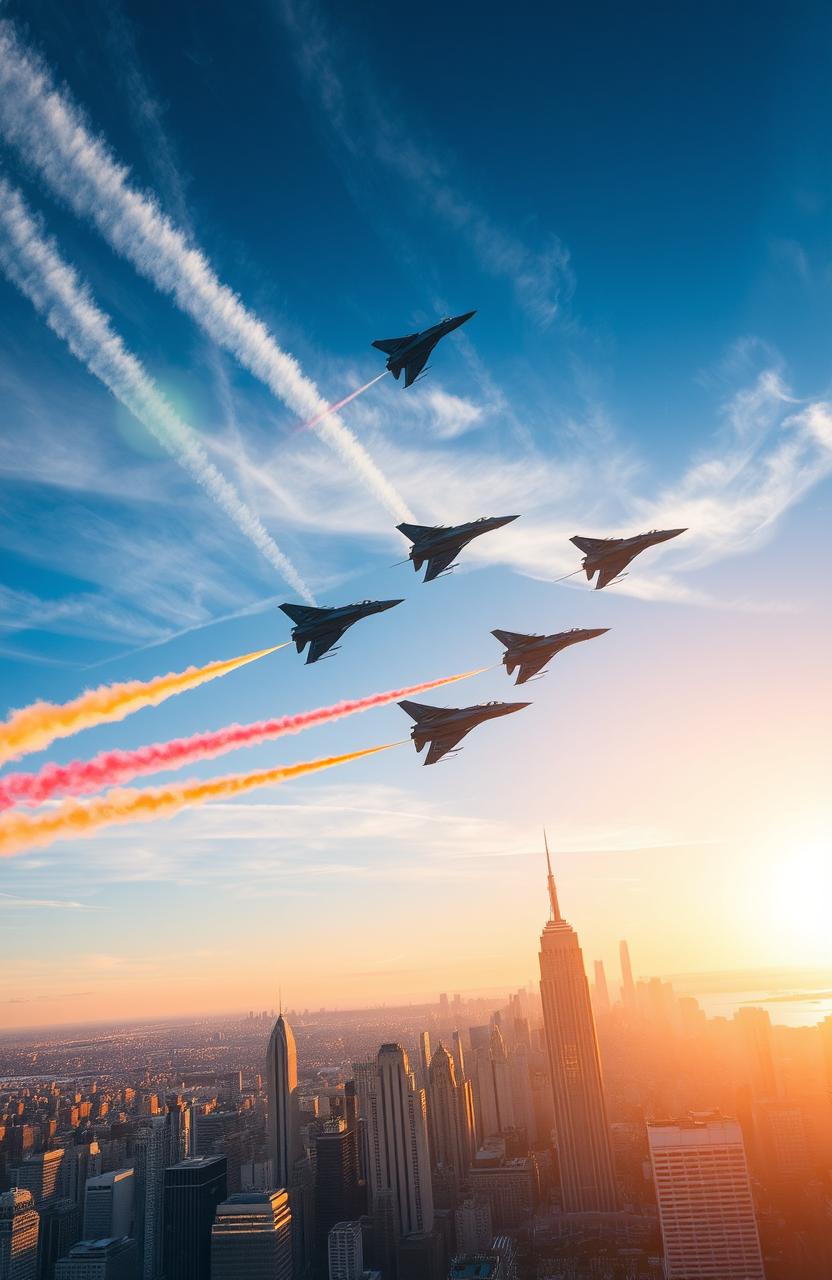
(33,264)
(50,132)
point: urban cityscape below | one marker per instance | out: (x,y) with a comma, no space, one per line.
(608,1129)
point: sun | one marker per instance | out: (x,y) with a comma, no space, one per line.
(802,895)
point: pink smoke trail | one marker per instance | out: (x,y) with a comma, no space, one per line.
(333,408)
(111,768)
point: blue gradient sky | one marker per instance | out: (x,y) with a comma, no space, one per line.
(637,204)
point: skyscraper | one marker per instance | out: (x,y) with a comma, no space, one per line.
(150,1148)
(100,1260)
(19,1223)
(451,1117)
(423,1078)
(602,995)
(39,1174)
(252,1237)
(398,1144)
(754,1027)
(583,1138)
(346,1252)
(60,1229)
(108,1205)
(628,987)
(282,1087)
(703,1190)
(336,1180)
(193,1189)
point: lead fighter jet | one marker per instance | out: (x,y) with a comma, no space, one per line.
(610,556)
(323,628)
(445,727)
(440,545)
(531,653)
(412,351)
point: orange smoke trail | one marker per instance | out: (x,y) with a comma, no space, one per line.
(115,768)
(34,727)
(19,832)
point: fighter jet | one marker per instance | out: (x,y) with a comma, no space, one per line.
(323,628)
(440,546)
(531,653)
(412,351)
(444,727)
(610,556)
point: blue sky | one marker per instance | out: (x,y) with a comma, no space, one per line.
(637,204)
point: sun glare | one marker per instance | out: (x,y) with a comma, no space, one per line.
(803,893)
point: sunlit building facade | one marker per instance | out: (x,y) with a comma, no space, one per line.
(19,1223)
(706,1211)
(252,1237)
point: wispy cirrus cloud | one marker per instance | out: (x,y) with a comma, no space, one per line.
(540,276)
(9,902)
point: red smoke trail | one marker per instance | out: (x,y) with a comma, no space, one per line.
(333,408)
(111,768)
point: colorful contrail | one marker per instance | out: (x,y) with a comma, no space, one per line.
(339,404)
(34,727)
(20,832)
(114,768)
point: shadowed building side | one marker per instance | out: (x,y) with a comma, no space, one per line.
(584,1149)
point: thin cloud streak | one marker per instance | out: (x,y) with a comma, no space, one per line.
(51,134)
(32,263)
(539,278)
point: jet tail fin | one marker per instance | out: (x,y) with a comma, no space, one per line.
(413,532)
(418,711)
(508,638)
(300,613)
(389,345)
(590,544)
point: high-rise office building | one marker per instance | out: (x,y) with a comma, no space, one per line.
(148,1154)
(757,1057)
(450,1112)
(80,1162)
(423,1075)
(39,1174)
(282,1087)
(19,1223)
(60,1229)
(193,1189)
(252,1237)
(398,1144)
(628,987)
(345,1251)
(474,1226)
(108,1205)
(601,992)
(583,1137)
(114,1259)
(706,1211)
(336,1180)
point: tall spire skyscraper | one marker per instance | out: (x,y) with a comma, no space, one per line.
(584,1150)
(628,987)
(282,1085)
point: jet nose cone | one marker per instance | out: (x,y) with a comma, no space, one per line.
(497,522)
(456,321)
(388,604)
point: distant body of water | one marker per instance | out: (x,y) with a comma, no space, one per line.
(796,1009)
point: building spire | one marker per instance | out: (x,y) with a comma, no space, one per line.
(554,909)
